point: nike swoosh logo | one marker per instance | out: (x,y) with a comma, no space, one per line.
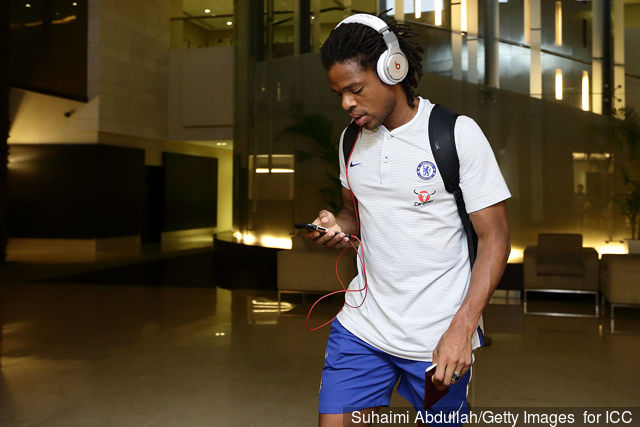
(355,164)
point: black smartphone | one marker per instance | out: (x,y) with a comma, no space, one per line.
(431,393)
(312,227)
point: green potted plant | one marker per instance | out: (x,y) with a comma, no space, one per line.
(318,130)
(627,136)
(629,204)
(619,134)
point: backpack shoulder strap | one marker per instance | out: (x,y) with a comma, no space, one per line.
(349,140)
(442,122)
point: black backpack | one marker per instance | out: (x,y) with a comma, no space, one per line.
(441,135)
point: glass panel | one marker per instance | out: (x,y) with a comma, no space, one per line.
(593,183)
(543,156)
(271,192)
(571,87)
(199,26)
(631,57)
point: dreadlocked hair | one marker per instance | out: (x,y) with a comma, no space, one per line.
(364,45)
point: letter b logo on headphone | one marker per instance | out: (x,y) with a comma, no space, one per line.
(398,67)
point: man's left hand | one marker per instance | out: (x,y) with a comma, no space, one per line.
(453,355)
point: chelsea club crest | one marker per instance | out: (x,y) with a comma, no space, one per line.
(426,170)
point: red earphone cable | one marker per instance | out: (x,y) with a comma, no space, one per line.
(360,256)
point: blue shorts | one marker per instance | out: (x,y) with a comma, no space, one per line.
(357,376)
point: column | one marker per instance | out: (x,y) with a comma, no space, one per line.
(535,37)
(4,124)
(602,81)
(472,40)
(270,29)
(527,22)
(535,120)
(607,57)
(248,49)
(456,40)
(596,53)
(315,24)
(618,55)
(491,50)
(398,11)
(301,27)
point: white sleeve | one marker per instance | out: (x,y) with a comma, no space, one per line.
(481,181)
(343,173)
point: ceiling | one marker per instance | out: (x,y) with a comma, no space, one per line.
(225,7)
(218,7)
(209,20)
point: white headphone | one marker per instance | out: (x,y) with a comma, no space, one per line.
(392,65)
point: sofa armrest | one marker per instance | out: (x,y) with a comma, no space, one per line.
(529,266)
(619,278)
(605,277)
(591,269)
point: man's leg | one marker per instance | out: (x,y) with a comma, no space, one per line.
(346,420)
(355,377)
(412,386)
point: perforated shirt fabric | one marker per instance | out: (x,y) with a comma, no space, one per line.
(414,246)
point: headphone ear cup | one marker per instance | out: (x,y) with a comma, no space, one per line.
(397,67)
(392,69)
(382,69)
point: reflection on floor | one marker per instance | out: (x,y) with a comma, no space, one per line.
(128,355)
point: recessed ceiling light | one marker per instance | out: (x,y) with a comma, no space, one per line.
(207,11)
(229,23)
(27,5)
(75,3)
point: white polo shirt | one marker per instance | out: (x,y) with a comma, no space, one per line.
(414,246)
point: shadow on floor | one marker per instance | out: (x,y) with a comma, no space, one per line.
(192,270)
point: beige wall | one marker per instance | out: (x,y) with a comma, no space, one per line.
(37,118)
(127,81)
(133,40)
(201,94)
(225,189)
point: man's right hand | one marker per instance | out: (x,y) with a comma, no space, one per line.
(333,238)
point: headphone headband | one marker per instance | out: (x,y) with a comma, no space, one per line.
(392,66)
(365,19)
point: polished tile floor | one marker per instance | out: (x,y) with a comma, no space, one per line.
(126,355)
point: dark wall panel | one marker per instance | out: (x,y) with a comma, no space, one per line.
(154,208)
(191,191)
(75,191)
(49,46)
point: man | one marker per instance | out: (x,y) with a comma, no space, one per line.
(422,302)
